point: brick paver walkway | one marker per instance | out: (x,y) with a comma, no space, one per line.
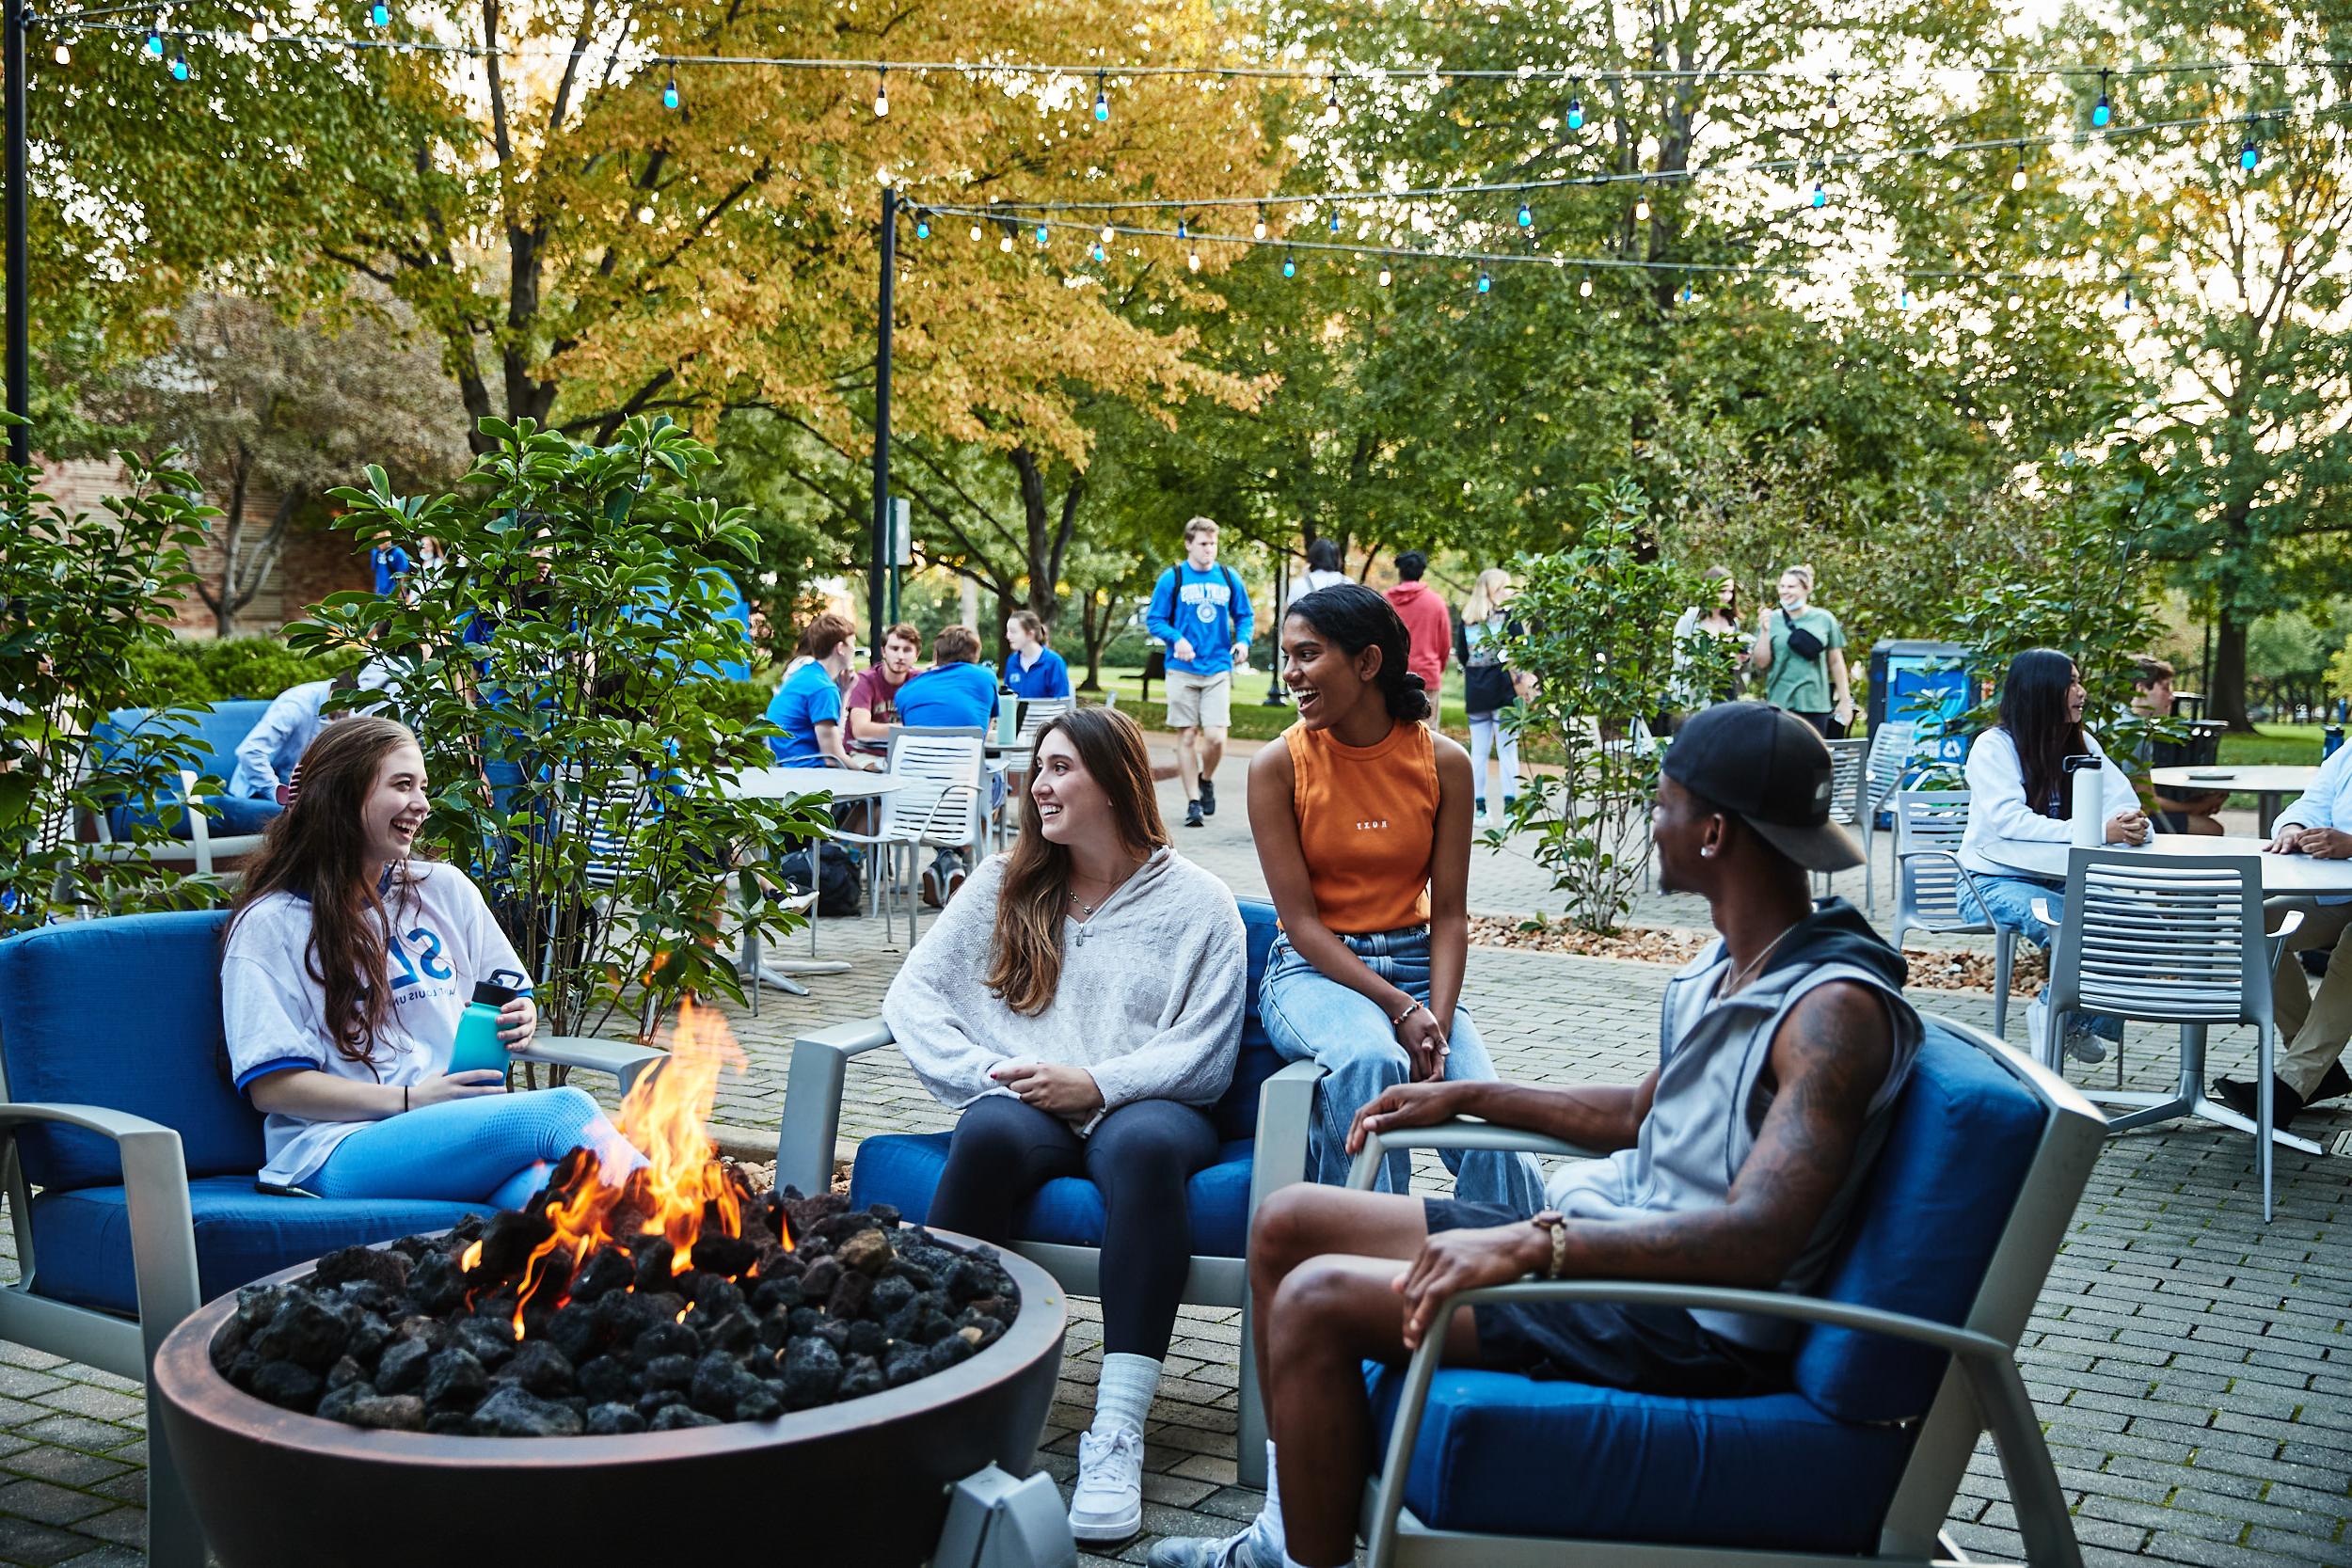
(2192,1365)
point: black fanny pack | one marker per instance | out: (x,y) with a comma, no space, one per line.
(1802,642)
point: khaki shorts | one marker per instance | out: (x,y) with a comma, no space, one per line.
(1200,701)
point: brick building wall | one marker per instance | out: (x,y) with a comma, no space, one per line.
(312,565)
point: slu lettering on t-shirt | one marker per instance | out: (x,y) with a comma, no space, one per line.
(428,965)
(1376,825)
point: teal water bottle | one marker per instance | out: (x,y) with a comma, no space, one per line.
(1008,722)
(477,1044)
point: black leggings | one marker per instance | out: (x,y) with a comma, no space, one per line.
(1141,1156)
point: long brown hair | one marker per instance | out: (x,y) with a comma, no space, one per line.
(317,850)
(1026,968)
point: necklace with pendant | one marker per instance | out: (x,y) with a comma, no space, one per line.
(1747,971)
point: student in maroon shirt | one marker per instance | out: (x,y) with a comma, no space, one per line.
(874,695)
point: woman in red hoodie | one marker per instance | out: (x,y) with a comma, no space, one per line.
(1428,624)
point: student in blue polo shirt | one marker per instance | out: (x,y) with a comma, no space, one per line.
(808,706)
(1032,669)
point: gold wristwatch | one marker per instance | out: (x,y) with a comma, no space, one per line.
(1557,1223)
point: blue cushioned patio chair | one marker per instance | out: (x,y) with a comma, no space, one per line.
(1906,1356)
(129,1159)
(1262,1120)
(200,840)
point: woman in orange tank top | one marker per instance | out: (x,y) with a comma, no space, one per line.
(1362,820)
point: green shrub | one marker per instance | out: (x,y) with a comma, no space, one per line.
(190,675)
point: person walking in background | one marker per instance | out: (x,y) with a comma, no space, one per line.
(1323,568)
(1032,669)
(1801,650)
(1081,1005)
(808,706)
(390,565)
(874,695)
(1709,648)
(1361,814)
(1201,611)
(1489,689)
(2020,800)
(1427,622)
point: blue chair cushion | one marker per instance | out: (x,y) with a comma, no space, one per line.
(1965,1133)
(903,1168)
(123,1013)
(1505,1454)
(216,731)
(81,1239)
(1235,1114)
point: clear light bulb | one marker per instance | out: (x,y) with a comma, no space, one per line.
(882,95)
(1385,275)
(1106,235)
(976,231)
(2015,300)
(1257,230)
(64,55)
(1005,243)
(1640,209)
(1192,260)
(1584,287)
(261,31)
(2017,181)
(1331,105)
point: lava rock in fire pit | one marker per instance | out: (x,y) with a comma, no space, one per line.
(422,1335)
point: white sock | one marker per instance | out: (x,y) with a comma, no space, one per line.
(1123,1398)
(1290,1561)
(1266,1530)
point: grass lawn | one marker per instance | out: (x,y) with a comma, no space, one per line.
(2285,744)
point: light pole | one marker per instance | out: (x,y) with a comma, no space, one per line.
(884,550)
(20,363)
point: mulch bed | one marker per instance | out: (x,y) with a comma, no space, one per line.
(1933,969)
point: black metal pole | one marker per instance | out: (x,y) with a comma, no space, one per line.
(885,547)
(1272,640)
(20,326)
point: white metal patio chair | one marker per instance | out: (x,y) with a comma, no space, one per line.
(1890,755)
(2171,939)
(941,805)
(1934,892)
(1849,779)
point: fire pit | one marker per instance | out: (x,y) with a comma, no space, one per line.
(864,1480)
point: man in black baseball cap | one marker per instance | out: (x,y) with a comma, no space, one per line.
(1770,769)
(1734,1161)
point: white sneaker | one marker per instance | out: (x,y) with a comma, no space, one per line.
(2038,1028)
(2083,1045)
(1108,1502)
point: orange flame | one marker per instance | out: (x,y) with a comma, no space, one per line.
(682,1186)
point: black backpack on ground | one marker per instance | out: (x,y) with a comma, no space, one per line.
(835,878)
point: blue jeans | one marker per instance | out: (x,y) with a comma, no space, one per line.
(495,1148)
(2008,903)
(1311,1017)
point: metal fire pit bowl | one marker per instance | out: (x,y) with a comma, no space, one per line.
(863,1482)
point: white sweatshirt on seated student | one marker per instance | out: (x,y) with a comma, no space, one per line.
(2009,836)
(1150,1001)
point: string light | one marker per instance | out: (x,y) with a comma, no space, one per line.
(669,91)
(1526,218)
(2017,179)
(922,226)
(1290,264)
(1485,282)
(975,231)
(1821,196)
(1098,250)
(1192,260)
(64,55)
(261,31)
(2250,155)
(1004,243)
(1331,105)
(179,60)
(1686,292)
(1102,100)
(1257,230)
(380,14)
(1105,236)
(1385,275)
(1335,220)
(1640,209)
(1830,114)
(2101,111)
(1584,287)
(882,94)
(1576,110)
(1041,233)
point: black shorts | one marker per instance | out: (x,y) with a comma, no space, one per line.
(1656,1350)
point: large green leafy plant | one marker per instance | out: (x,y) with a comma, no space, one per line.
(566,672)
(83,598)
(1594,625)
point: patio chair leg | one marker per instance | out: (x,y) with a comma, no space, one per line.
(2266,1088)
(1249,1440)
(2004,959)
(174,1539)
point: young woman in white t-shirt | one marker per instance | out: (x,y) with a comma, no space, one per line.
(347,966)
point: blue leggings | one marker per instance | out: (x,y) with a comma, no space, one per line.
(492,1148)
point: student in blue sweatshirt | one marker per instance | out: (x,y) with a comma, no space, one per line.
(1201,612)
(1032,669)
(956,691)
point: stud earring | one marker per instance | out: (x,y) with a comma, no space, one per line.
(1706,851)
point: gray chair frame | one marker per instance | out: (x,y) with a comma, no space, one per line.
(1929,881)
(1981,1390)
(163,1264)
(1850,790)
(1891,747)
(811,1130)
(2171,939)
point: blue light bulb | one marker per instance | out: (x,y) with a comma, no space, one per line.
(1485,283)
(1821,196)
(155,44)
(380,13)
(1527,219)
(669,93)
(1903,301)
(922,229)
(179,67)
(2101,111)
(1335,220)
(1101,101)
(1576,114)
(2250,157)
(1183,229)
(1041,233)
(1098,250)
(1686,294)
(1290,268)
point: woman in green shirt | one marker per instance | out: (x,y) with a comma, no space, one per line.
(1799,648)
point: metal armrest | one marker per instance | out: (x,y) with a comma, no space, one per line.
(1989,1366)
(2290,922)
(623,1060)
(1286,1106)
(811,1124)
(1461,1132)
(155,1188)
(2048,916)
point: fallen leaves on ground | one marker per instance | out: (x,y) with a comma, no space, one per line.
(1934,969)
